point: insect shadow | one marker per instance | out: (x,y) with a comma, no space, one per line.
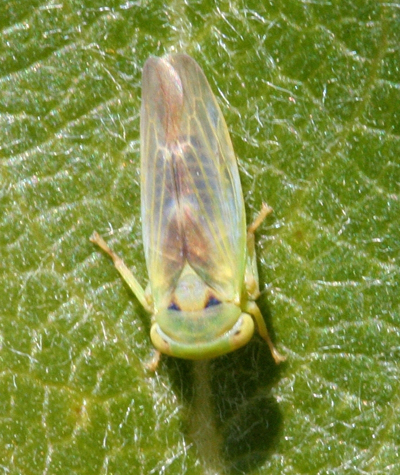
(232,417)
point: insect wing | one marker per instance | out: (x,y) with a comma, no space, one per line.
(192,203)
(162,232)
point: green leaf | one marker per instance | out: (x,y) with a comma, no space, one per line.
(311,94)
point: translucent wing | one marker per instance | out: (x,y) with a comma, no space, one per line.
(192,204)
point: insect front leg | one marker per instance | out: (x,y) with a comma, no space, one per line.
(252,308)
(252,283)
(154,361)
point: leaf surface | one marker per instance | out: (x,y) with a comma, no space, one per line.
(311,94)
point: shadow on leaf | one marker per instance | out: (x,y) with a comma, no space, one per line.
(231,416)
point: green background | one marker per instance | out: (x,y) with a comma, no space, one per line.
(311,95)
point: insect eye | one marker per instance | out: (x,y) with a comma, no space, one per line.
(173,306)
(212,301)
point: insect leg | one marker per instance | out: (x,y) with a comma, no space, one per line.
(264,212)
(251,277)
(252,308)
(152,364)
(126,274)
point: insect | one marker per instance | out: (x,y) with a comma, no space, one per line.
(203,279)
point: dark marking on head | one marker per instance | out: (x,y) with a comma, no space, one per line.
(173,306)
(212,301)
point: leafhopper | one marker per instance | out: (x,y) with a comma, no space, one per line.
(203,279)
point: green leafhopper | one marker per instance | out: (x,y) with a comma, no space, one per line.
(203,279)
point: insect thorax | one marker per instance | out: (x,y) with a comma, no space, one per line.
(192,293)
